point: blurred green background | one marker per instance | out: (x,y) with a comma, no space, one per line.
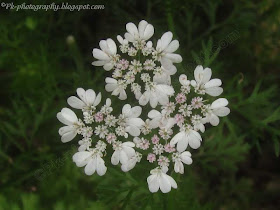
(237,166)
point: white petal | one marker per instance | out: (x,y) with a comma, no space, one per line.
(90,167)
(154,114)
(213,83)
(120,39)
(123,95)
(100,55)
(179,167)
(214,120)
(182,144)
(221,112)
(108,66)
(153,183)
(166,39)
(90,96)
(126,110)
(141,28)
(100,168)
(164,184)
(186,157)
(135,111)
(65,129)
(69,115)
(172,47)
(110,87)
(214,91)
(198,73)
(138,122)
(82,94)
(76,103)
(194,139)
(183,79)
(80,158)
(132,29)
(128,144)
(206,75)
(68,136)
(144,99)
(112,46)
(133,130)
(172,182)
(176,138)
(99,63)
(115,159)
(104,46)
(153,100)
(130,152)
(166,89)
(123,157)
(175,58)
(97,99)
(221,102)
(129,37)
(149,32)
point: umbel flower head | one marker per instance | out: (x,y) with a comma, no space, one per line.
(137,65)
(163,136)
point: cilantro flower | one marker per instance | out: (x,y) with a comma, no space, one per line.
(160,180)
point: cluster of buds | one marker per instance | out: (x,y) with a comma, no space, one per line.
(173,124)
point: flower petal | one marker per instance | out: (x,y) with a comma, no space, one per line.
(75,102)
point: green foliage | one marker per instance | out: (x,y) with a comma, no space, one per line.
(45,56)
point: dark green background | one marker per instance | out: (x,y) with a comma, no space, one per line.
(237,166)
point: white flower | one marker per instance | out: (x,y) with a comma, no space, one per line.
(86,99)
(160,180)
(130,119)
(164,77)
(203,84)
(131,162)
(85,143)
(183,79)
(144,31)
(179,159)
(186,137)
(123,152)
(69,118)
(117,87)
(198,123)
(156,94)
(92,160)
(159,119)
(217,109)
(164,51)
(107,56)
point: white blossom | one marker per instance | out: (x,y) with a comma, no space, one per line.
(144,31)
(203,84)
(68,118)
(123,152)
(165,51)
(160,180)
(186,137)
(87,99)
(156,94)
(107,56)
(117,87)
(217,109)
(132,162)
(130,119)
(179,159)
(92,160)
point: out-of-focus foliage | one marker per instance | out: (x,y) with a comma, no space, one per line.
(237,166)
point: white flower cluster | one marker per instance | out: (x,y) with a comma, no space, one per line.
(140,65)
(166,133)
